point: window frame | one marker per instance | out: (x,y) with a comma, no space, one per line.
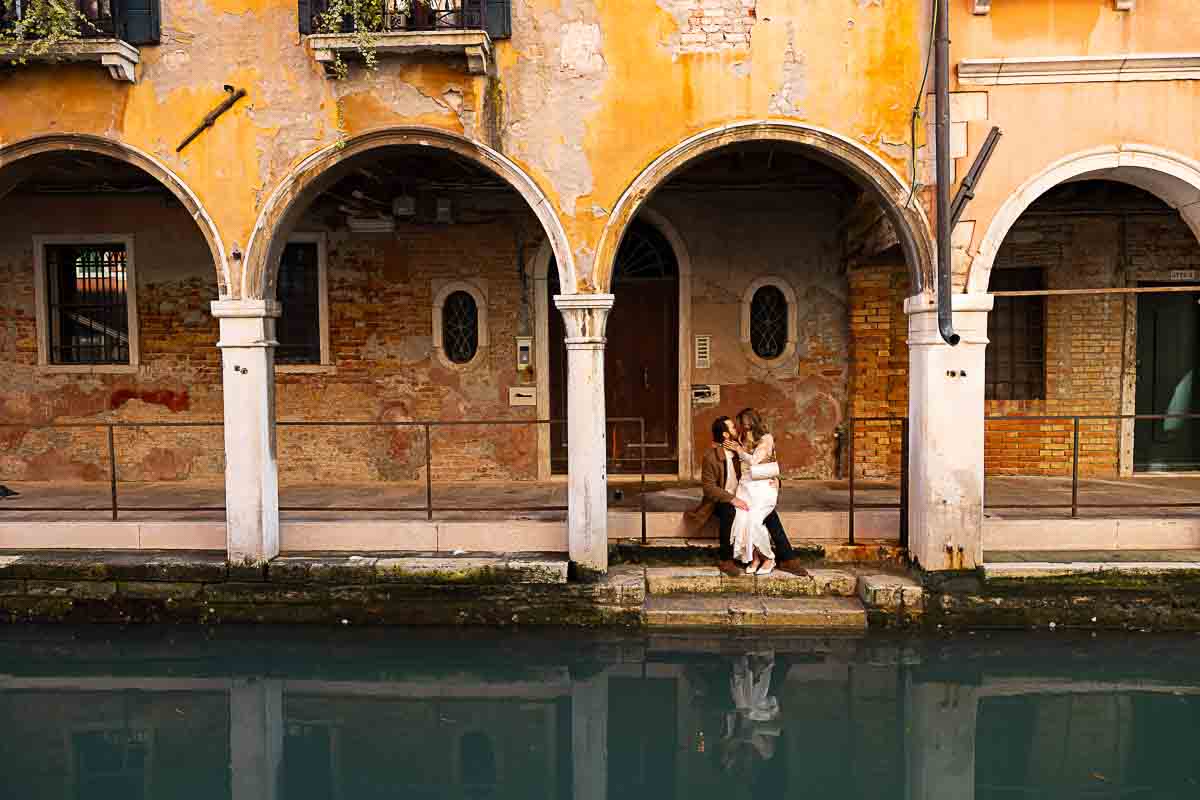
(41,292)
(478,292)
(989,378)
(325,365)
(789,296)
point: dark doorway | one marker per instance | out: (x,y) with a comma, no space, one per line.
(1168,351)
(641,358)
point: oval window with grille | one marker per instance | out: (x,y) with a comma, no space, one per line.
(460,327)
(768,322)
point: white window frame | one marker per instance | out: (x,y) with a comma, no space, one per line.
(326,364)
(789,295)
(42,300)
(441,291)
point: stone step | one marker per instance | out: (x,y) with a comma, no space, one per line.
(711,581)
(740,611)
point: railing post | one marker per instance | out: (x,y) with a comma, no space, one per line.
(428,475)
(112,469)
(642,495)
(1075,470)
(904,482)
(850,460)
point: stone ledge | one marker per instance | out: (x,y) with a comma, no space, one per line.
(97,565)
(824,613)
(711,581)
(118,57)
(1079,69)
(1034,570)
(891,593)
(475,45)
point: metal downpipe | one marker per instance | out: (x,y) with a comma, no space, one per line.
(941,91)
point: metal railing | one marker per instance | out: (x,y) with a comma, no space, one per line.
(417,15)
(100,17)
(902,506)
(1075,419)
(115,506)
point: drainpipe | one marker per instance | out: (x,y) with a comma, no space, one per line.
(941,91)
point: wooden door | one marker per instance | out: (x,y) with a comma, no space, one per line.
(641,359)
(1168,350)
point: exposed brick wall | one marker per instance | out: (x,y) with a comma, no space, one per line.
(878,363)
(708,25)
(179,379)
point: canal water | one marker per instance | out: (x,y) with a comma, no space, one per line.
(260,714)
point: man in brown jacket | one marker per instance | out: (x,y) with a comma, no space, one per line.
(720,472)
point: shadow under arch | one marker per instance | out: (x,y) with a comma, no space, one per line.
(1171,177)
(323,168)
(14,154)
(864,167)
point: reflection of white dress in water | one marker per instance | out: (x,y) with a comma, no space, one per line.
(761,496)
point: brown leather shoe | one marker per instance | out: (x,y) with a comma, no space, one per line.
(730,568)
(793,566)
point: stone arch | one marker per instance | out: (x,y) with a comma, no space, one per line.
(12,155)
(316,172)
(866,168)
(1172,178)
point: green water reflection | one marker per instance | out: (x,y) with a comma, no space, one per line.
(356,715)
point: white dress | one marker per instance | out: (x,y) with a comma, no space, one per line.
(761,496)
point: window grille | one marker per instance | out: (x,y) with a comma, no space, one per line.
(1015,360)
(89,304)
(768,322)
(460,327)
(298,329)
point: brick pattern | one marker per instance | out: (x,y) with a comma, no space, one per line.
(714,24)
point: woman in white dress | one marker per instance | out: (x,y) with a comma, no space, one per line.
(750,538)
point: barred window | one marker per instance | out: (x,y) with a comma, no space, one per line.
(1015,365)
(460,327)
(88,310)
(298,329)
(768,322)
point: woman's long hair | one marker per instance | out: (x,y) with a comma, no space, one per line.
(752,425)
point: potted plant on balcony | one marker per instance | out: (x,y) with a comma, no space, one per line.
(40,28)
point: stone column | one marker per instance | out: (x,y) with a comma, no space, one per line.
(587,478)
(251,474)
(255,739)
(945,417)
(941,719)
(589,738)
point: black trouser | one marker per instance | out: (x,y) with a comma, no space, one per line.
(779,540)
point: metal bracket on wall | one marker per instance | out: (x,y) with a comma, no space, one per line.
(966,189)
(211,116)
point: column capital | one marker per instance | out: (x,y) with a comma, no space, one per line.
(244,309)
(970,319)
(246,323)
(585,317)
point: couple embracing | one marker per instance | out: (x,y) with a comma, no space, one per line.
(740,474)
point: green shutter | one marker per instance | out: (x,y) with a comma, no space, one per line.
(499,18)
(138,21)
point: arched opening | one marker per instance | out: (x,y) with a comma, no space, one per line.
(798,275)
(1088,320)
(641,358)
(417,310)
(106,275)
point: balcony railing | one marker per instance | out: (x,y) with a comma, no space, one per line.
(420,16)
(99,17)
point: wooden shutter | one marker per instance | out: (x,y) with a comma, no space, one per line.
(138,21)
(305,11)
(499,18)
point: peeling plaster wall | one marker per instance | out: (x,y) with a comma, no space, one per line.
(179,379)
(734,238)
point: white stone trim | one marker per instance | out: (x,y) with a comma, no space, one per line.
(42,302)
(325,364)
(789,295)
(1079,69)
(118,57)
(983,7)
(475,45)
(1173,178)
(477,290)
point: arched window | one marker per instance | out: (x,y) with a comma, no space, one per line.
(460,327)
(769,321)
